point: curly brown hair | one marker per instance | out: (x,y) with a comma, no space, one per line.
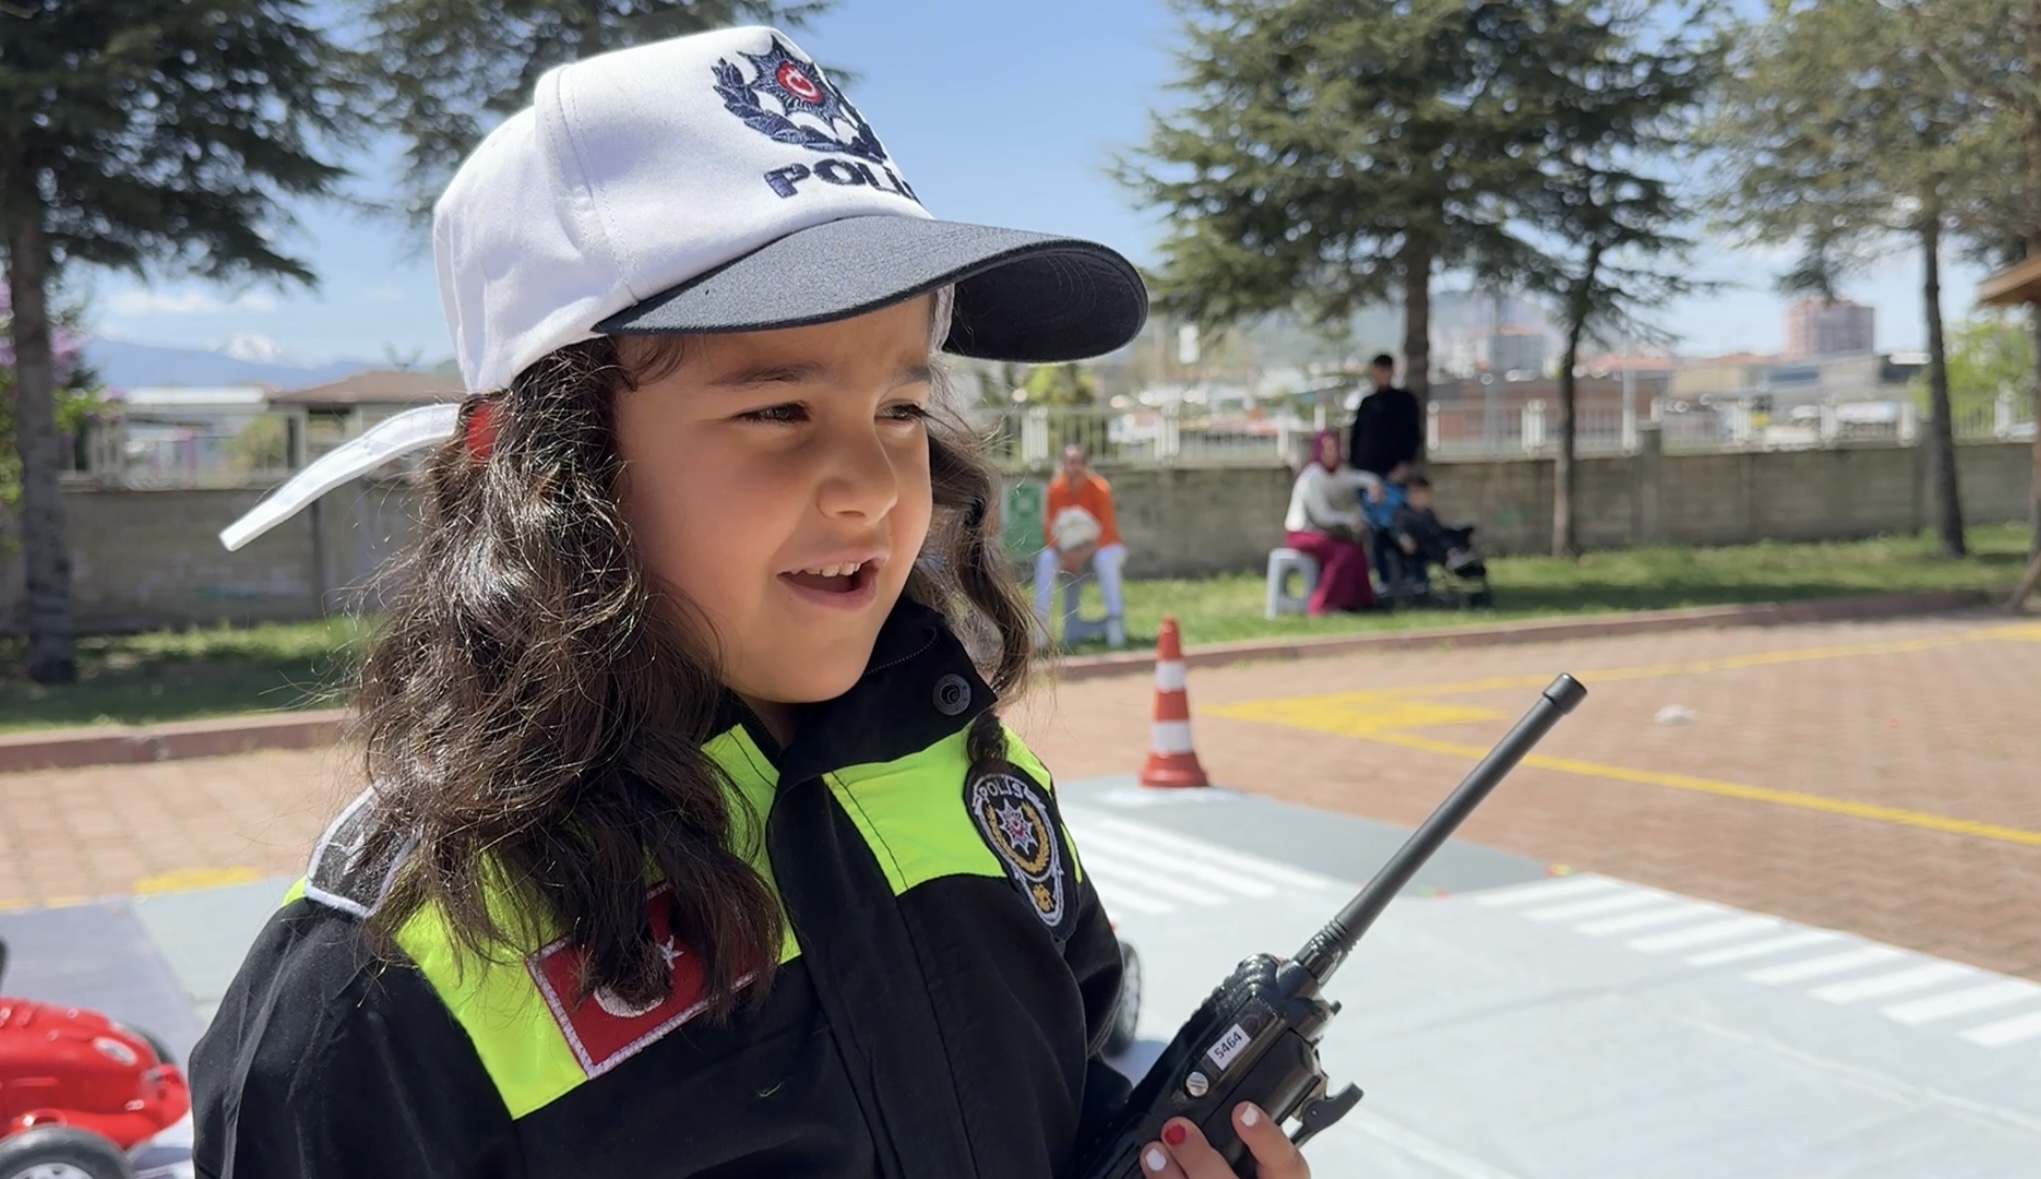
(533,723)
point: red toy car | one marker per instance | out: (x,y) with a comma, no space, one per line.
(78,1091)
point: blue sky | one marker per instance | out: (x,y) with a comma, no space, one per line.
(1007,116)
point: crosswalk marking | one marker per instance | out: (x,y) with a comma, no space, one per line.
(2004,993)
(1119,848)
(1116,897)
(1912,979)
(1834,967)
(1145,869)
(1595,907)
(1816,967)
(1701,935)
(2009,1031)
(1563,888)
(1663,915)
(1153,882)
(1087,820)
(1791,941)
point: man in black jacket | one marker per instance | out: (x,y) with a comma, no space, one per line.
(1388,429)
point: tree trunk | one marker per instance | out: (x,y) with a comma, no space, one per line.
(1565,543)
(1417,328)
(1941,427)
(2034,505)
(52,657)
(1565,536)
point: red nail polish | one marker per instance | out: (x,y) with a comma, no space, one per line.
(1174,1134)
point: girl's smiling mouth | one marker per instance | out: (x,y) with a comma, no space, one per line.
(843,584)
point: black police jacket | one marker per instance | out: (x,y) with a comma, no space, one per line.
(948,979)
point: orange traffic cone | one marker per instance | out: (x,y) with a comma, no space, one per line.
(1171,761)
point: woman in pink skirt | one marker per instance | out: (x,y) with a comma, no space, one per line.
(1325,524)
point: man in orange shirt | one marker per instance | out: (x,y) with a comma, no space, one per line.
(1078,528)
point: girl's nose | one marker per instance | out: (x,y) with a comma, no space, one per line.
(859,479)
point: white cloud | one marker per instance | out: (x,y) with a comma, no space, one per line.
(146,302)
(257,348)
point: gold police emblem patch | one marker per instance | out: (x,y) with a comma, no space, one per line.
(1018,822)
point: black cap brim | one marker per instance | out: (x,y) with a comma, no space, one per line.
(1024,297)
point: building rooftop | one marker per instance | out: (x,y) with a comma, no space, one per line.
(190,395)
(382,386)
(2014,285)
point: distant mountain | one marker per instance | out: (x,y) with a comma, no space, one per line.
(245,361)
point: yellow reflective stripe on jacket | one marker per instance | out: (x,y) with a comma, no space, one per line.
(496,1002)
(909,810)
(1020,755)
(500,1006)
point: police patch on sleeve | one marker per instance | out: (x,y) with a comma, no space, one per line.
(1019,824)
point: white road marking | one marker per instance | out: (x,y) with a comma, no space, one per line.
(1650,917)
(1808,968)
(1120,848)
(2009,1031)
(1622,902)
(1878,985)
(1791,941)
(1701,935)
(1562,888)
(1148,870)
(2003,993)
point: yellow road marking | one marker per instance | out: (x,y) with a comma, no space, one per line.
(1385,716)
(188,879)
(1792,798)
(1355,714)
(1734,662)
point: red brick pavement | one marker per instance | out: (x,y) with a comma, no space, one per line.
(1937,717)
(1941,717)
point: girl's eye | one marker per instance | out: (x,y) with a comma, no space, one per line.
(788,413)
(907,412)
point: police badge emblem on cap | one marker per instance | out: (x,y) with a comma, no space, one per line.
(800,88)
(1015,818)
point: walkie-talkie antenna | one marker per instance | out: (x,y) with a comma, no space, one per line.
(1330,946)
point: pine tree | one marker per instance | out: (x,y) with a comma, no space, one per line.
(1330,154)
(1849,134)
(1990,51)
(143,135)
(1635,76)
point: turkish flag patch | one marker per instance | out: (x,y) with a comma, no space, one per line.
(603,1030)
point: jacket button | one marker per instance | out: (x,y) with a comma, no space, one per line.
(952,694)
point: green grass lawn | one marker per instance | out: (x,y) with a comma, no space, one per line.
(142,679)
(1229,608)
(186,675)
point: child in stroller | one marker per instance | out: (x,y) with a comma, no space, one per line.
(1410,540)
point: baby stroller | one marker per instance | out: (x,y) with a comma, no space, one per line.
(1408,579)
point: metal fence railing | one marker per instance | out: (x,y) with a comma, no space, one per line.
(1032,438)
(148,453)
(264,448)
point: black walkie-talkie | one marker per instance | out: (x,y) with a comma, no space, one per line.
(1256,1037)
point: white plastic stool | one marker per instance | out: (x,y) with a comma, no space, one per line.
(1282,563)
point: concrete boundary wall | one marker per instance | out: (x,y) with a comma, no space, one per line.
(145,559)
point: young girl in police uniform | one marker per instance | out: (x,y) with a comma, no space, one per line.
(692,843)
